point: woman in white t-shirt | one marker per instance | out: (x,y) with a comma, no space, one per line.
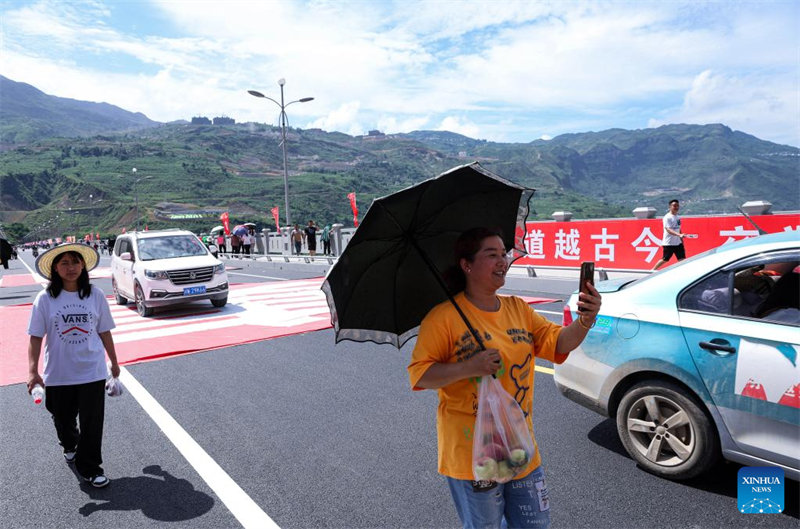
(77,321)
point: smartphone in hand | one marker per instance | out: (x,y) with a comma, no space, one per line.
(587,275)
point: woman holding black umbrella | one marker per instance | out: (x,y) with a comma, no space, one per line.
(448,358)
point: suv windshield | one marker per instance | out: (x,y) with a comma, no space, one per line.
(169,247)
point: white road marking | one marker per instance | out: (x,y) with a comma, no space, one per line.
(36,277)
(266,305)
(242,506)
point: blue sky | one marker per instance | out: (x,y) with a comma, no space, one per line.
(497,70)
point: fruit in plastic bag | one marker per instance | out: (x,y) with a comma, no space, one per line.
(502,442)
(495,451)
(504,472)
(486,469)
(518,457)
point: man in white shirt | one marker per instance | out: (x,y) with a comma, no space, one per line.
(672,241)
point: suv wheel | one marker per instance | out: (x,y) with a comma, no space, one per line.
(119,298)
(666,431)
(143,310)
(219,302)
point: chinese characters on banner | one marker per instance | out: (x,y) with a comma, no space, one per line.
(635,244)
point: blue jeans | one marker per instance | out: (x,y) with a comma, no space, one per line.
(522,503)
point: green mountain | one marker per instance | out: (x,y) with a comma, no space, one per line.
(188,174)
(27,114)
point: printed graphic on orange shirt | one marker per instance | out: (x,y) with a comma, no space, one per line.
(520,375)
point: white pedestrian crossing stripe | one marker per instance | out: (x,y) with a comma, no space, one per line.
(278,304)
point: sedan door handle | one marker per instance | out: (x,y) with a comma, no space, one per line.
(718,345)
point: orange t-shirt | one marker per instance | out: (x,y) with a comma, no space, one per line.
(517,332)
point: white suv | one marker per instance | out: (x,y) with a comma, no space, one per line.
(165,267)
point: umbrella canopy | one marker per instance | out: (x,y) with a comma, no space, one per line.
(389,275)
(217,229)
(249,224)
(240,230)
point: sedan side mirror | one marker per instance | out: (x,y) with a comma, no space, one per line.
(126,256)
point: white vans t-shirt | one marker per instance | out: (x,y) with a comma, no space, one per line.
(73,351)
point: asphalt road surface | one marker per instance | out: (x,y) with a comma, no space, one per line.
(298,432)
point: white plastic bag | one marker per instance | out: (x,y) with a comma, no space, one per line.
(502,445)
(113,385)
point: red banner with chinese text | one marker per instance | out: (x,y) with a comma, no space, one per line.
(635,244)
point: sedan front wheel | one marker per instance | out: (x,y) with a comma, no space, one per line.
(665,430)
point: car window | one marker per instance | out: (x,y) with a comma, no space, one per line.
(765,287)
(123,245)
(170,247)
(712,294)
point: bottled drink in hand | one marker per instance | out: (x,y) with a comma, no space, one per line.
(37,393)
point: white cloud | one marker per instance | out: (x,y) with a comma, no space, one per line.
(392,124)
(767,107)
(505,71)
(459,125)
(343,119)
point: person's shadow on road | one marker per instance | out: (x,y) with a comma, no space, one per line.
(163,497)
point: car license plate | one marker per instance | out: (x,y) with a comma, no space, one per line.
(190,291)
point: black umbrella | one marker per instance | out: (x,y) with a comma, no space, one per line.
(389,275)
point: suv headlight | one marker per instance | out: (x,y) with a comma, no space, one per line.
(220,268)
(156,274)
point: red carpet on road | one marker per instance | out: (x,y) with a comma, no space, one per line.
(255,312)
(17,280)
(24,280)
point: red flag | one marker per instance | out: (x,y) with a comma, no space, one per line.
(225,223)
(145,227)
(275,216)
(352,197)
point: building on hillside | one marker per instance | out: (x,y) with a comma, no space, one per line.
(201,120)
(222,120)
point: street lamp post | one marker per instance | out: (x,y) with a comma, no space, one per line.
(136,193)
(135,197)
(284,120)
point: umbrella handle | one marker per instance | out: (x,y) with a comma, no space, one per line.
(441,282)
(438,276)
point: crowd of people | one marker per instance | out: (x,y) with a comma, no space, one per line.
(244,243)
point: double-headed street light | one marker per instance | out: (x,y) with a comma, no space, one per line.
(284,120)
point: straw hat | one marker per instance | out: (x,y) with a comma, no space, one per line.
(44,263)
